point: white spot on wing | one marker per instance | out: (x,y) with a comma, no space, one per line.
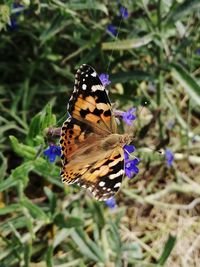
(84,86)
(114,175)
(117,185)
(97,87)
(94,74)
(101,184)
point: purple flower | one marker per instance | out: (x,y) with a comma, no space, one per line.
(13,20)
(131,167)
(104,79)
(111,203)
(52,152)
(169,157)
(127,150)
(112,29)
(130,164)
(128,116)
(198,51)
(123,12)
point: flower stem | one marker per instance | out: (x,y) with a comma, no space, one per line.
(160,72)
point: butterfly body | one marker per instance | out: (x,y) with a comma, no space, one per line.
(92,149)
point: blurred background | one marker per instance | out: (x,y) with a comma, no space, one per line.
(151,52)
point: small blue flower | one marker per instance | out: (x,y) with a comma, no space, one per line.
(131,168)
(198,51)
(104,79)
(127,150)
(128,116)
(111,203)
(169,157)
(13,20)
(112,29)
(52,152)
(130,164)
(123,12)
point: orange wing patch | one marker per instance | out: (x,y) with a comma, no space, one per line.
(72,137)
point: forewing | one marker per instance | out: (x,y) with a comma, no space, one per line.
(89,102)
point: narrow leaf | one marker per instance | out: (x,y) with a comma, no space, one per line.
(34,210)
(128,44)
(167,250)
(21,149)
(187,81)
(122,77)
(183,9)
(68,222)
(9,209)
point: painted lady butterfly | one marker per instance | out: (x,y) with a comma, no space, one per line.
(92,150)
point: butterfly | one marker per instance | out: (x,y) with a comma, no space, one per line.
(91,148)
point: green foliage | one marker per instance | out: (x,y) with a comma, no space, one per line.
(153,59)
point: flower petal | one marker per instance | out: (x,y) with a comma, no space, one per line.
(111,203)
(124,12)
(104,79)
(112,29)
(52,152)
(169,157)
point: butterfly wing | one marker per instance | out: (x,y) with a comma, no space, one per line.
(89,102)
(101,174)
(85,161)
(104,178)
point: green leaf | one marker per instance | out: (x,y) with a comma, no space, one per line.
(128,44)
(122,77)
(35,211)
(183,9)
(97,211)
(68,222)
(49,171)
(49,256)
(87,246)
(22,150)
(167,250)
(21,172)
(27,254)
(5,16)
(47,118)
(41,121)
(7,183)
(34,128)
(116,240)
(187,81)
(56,25)
(3,166)
(89,5)
(52,199)
(9,209)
